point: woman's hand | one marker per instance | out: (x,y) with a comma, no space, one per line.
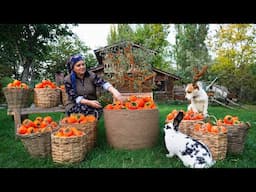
(91,103)
(116,94)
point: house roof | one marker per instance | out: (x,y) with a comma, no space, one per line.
(97,68)
(100,51)
(166,73)
(101,67)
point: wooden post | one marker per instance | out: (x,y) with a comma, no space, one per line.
(23,112)
(17,120)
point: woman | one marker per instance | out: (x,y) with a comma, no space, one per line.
(81,86)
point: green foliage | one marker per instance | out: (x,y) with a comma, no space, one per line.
(105,98)
(190,49)
(235,59)
(6,70)
(5,80)
(60,52)
(3,83)
(151,36)
(103,156)
(123,32)
(131,66)
(24,47)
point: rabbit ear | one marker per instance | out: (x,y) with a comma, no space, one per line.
(177,120)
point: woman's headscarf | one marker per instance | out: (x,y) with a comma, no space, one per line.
(70,66)
(73,60)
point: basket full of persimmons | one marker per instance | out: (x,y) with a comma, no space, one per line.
(237,132)
(36,135)
(214,136)
(189,120)
(17,94)
(46,94)
(68,145)
(85,123)
(133,123)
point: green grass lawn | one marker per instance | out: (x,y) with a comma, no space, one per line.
(14,155)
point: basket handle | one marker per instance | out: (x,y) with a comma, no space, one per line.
(248,125)
(62,115)
(208,119)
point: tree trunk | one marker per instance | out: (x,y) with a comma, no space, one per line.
(25,75)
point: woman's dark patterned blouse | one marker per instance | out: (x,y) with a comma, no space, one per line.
(86,87)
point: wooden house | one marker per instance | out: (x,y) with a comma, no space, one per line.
(127,66)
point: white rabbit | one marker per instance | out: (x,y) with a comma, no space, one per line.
(192,153)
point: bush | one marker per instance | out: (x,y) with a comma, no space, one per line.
(3,83)
(105,98)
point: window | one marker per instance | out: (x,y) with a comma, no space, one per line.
(160,85)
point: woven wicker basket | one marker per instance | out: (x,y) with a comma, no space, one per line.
(132,129)
(68,149)
(37,144)
(64,97)
(46,97)
(217,143)
(187,126)
(17,97)
(237,136)
(90,130)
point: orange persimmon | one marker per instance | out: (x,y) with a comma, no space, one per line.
(91,118)
(22,129)
(133,105)
(228,119)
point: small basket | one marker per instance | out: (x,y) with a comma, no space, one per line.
(89,128)
(17,97)
(64,97)
(68,149)
(216,142)
(37,144)
(187,126)
(46,97)
(236,137)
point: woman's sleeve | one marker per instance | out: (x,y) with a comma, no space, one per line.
(70,91)
(100,82)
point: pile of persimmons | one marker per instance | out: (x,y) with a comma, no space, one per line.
(229,120)
(219,126)
(133,102)
(188,115)
(46,83)
(68,132)
(38,125)
(78,118)
(17,84)
(210,128)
